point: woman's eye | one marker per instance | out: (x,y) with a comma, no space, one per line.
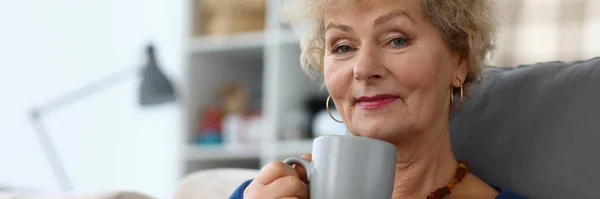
(342,49)
(398,42)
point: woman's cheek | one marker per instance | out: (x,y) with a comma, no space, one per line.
(338,80)
(412,70)
(328,78)
(334,76)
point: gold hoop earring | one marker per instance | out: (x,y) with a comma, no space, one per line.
(461,96)
(328,111)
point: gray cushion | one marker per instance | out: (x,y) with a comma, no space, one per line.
(534,129)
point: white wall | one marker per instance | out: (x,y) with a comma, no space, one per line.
(107,142)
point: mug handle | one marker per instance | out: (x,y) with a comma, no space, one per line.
(301,161)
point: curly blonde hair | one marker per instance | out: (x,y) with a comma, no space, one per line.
(467,26)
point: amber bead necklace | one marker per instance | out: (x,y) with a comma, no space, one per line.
(461,172)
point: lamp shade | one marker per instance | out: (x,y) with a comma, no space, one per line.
(155,87)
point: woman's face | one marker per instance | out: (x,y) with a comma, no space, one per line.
(388,69)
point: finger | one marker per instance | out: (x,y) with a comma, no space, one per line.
(288,186)
(300,169)
(273,171)
(307,156)
(301,172)
(253,191)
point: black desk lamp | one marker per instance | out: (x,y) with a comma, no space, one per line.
(154,89)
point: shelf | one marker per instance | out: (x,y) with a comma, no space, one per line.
(239,42)
(293,147)
(222,152)
(246,151)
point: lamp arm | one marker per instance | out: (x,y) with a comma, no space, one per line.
(85,91)
(36,116)
(51,154)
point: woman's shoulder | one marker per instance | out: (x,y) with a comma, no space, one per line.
(239,192)
(506,194)
(480,188)
(502,193)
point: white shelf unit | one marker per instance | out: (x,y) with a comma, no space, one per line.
(265,61)
(221,152)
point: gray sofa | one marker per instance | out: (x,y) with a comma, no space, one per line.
(534,129)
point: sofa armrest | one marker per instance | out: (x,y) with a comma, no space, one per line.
(212,183)
(105,195)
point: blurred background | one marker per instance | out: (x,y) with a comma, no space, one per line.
(134,95)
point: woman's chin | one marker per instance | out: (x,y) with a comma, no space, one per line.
(375,132)
(386,131)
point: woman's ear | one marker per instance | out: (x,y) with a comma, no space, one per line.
(461,60)
(461,68)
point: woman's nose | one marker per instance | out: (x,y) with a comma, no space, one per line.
(368,67)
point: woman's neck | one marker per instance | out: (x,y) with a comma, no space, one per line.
(424,164)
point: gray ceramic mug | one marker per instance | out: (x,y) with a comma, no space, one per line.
(349,167)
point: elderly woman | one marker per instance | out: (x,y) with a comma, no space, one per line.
(395,70)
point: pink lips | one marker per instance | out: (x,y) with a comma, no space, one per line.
(375,102)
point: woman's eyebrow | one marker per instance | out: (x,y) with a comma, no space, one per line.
(393,14)
(342,27)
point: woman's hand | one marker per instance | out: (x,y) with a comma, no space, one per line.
(278,180)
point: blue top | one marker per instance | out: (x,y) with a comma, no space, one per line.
(239,193)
